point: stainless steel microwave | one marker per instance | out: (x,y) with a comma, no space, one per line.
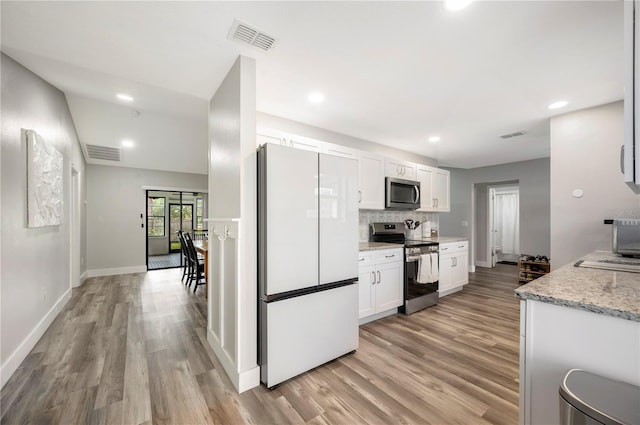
(402,194)
(626,237)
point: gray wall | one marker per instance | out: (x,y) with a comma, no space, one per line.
(533,178)
(115,201)
(34,259)
(585,155)
(301,129)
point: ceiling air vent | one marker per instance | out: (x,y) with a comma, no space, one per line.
(245,33)
(105,153)
(510,135)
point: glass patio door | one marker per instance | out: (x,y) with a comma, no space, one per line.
(180,218)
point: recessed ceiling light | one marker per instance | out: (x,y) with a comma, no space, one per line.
(127,143)
(434,139)
(558,104)
(316,97)
(455,5)
(124,97)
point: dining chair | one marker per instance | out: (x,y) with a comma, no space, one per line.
(196,272)
(185,257)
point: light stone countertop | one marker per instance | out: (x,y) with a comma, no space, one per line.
(370,246)
(606,292)
(445,239)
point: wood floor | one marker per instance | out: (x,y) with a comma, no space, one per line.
(132,349)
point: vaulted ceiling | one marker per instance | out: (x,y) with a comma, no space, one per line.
(394,73)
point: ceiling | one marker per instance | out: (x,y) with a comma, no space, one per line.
(393,73)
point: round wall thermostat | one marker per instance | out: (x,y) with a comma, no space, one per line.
(578,193)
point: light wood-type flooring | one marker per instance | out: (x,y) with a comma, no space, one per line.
(132,349)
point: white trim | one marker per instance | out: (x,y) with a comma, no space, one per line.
(449,291)
(83,277)
(16,358)
(116,270)
(249,379)
(174,189)
(377,316)
(242,381)
(483,264)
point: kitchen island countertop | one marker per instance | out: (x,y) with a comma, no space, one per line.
(608,292)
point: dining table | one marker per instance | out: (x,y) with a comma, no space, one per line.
(202,247)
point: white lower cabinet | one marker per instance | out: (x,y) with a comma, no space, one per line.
(380,283)
(454,267)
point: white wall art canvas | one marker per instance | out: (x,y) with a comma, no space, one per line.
(44,182)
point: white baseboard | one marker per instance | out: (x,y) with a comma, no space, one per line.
(486,264)
(15,359)
(115,271)
(377,316)
(449,291)
(83,277)
(242,381)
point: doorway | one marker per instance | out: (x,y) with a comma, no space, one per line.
(168,212)
(504,224)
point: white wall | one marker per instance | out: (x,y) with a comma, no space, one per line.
(232,327)
(301,129)
(115,202)
(533,178)
(38,259)
(585,155)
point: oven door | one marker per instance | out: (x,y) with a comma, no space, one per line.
(417,295)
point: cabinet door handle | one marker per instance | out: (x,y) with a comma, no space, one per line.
(359,196)
(437,202)
(378,276)
(373,280)
(460,246)
(443,249)
(390,256)
(361,259)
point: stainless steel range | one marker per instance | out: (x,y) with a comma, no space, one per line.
(420,265)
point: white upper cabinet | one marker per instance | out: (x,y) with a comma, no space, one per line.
(440,189)
(434,188)
(434,182)
(339,150)
(425,177)
(267,135)
(371,191)
(401,169)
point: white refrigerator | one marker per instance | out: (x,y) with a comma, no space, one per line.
(308,260)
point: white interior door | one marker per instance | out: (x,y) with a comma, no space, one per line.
(338,192)
(291,219)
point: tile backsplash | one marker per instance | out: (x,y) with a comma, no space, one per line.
(375,216)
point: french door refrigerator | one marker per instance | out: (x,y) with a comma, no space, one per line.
(307,260)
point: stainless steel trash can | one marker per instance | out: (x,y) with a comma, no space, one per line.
(588,399)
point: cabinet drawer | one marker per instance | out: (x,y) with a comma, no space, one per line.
(387,256)
(365,258)
(449,247)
